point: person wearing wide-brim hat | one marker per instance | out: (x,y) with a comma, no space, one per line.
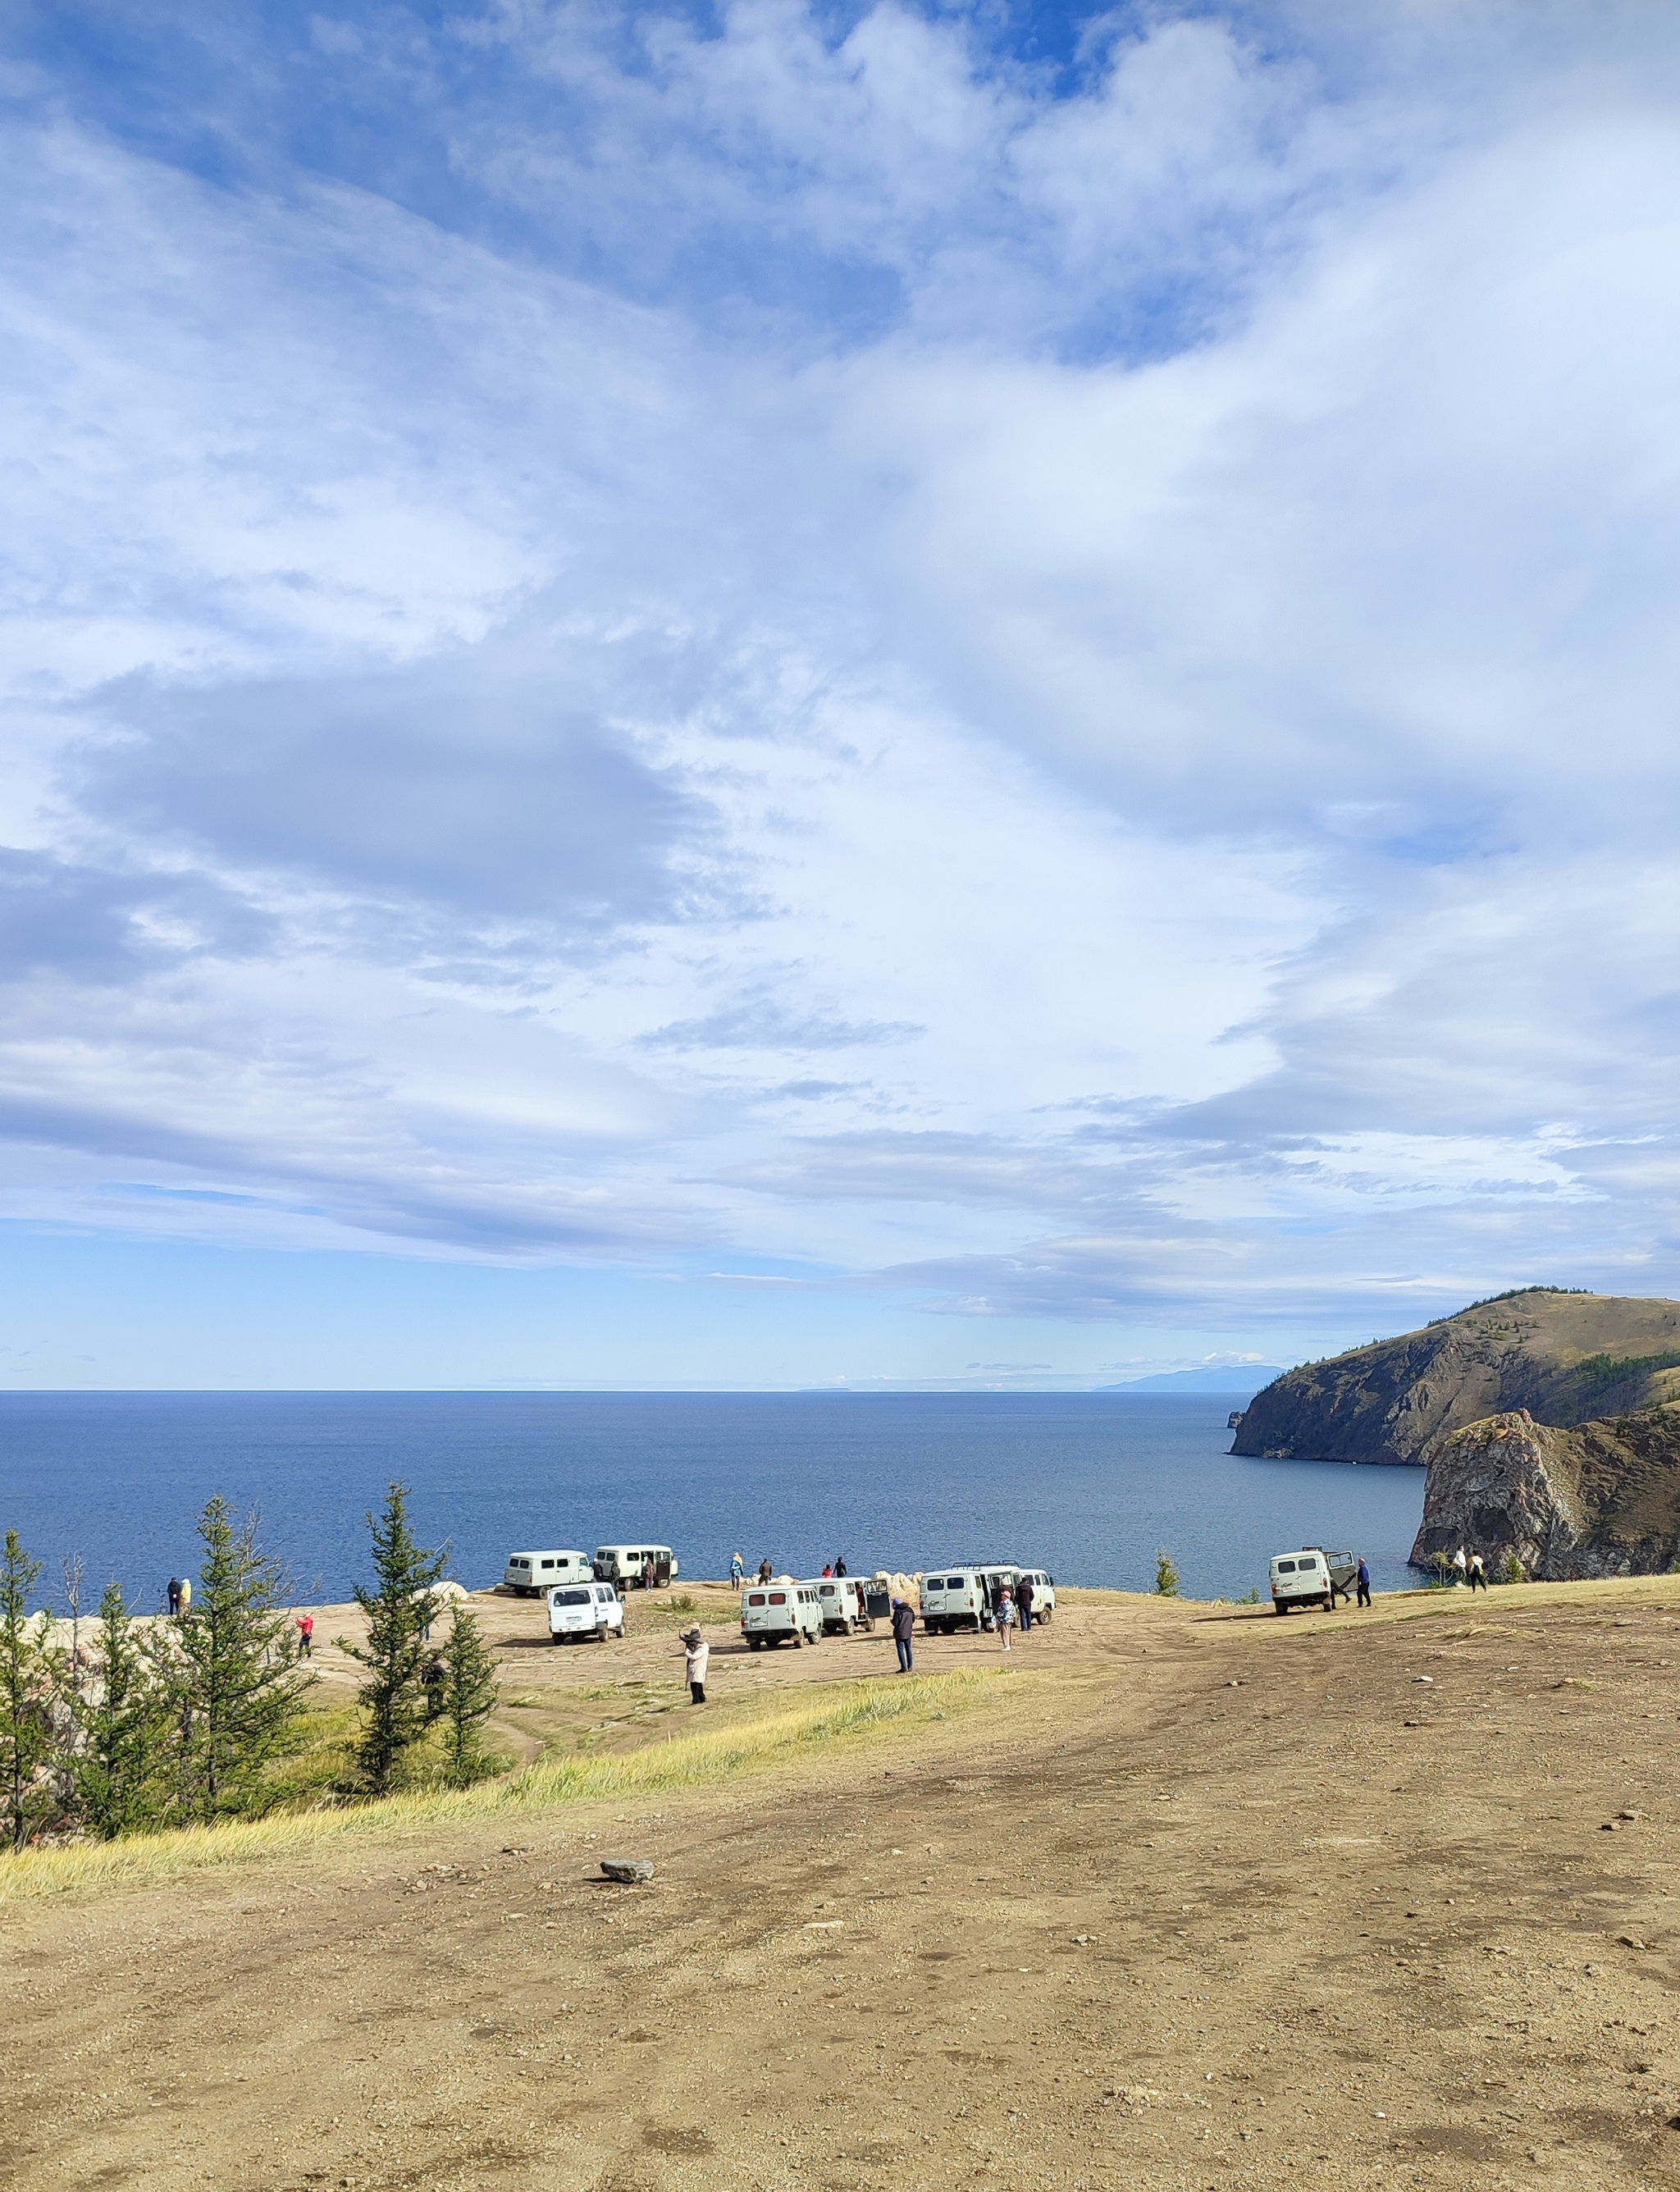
(697,1652)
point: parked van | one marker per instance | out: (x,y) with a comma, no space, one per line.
(532,1573)
(577,1610)
(954,1598)
(844,1603)
(780,1613)
(1043,1592)
(1300,1579)
(626,1565)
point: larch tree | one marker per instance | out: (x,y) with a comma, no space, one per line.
(400,1606)
(237,1698)
(125,1730)
(30,1673)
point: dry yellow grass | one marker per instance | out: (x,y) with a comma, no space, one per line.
(840,1713)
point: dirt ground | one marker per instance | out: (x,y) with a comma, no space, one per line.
(1202,1900)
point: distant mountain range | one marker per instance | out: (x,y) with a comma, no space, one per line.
(1244,1379)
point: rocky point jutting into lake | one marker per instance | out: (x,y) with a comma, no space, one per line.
(1549,1422)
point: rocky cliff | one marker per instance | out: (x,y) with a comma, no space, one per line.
(1566,1358)
(1600,1499)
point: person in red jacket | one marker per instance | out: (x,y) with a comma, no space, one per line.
(306,1635)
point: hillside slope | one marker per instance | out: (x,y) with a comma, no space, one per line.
(1603,1499)
(1566,1358)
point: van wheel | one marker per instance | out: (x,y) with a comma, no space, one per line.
(557,1639)
(797,1640)
(1042,1620)
(1278,1606)
(755,1643)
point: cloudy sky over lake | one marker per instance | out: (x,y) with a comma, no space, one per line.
(777,695)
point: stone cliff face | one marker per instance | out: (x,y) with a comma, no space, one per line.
(1568,1359)
(1602,1499)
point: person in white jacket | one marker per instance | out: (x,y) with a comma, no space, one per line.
(697,1652)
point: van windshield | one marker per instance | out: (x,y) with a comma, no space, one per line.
(568,1598)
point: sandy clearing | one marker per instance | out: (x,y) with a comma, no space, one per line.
(1210,1902)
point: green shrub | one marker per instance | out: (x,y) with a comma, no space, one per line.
(1166,1574)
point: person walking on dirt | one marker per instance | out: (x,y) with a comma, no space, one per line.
(1006,1614)
(1025,1594)
(1478,1572)
(1460,1567)
(696,1653)
(904,1633)
(737,1570)
(305,1636)
(1364,1581)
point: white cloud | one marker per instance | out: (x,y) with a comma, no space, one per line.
(1062,702)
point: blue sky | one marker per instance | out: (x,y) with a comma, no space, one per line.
(769,696)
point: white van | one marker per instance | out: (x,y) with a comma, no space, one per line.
(780,1613)
(844,1604)
(954,1598)
(1043,1593)
(626,1565)
(576,1610)
(532,1573)
(1300,1579)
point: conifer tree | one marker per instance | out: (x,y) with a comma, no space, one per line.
(400,1608)
(237,1698)
(125,1726)
(30,1673)
(469,1699)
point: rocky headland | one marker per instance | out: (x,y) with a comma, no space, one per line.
(1568,1359)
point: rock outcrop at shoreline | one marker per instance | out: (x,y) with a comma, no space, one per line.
(1568,1359)
(1600,1499)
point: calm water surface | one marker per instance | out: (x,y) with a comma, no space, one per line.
(1087,1485)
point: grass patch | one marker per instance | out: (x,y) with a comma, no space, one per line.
(839,1714)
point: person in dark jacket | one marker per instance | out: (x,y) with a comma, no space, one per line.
(840,1565)
(1364,1581)
(904,1631)
(1025,1595)
(175,1594)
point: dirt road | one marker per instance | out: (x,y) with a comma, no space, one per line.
(1203,1902)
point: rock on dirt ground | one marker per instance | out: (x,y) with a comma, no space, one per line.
(1203,1902)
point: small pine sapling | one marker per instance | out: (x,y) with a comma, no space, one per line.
(469,1699)
(1167,1577)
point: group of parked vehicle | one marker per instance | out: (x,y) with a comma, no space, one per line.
(585,1594)
(786,1611)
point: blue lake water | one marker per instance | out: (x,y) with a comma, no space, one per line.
(1087,1485)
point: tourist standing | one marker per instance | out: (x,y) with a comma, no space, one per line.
(1478,1572)
(840,1566)
(904,1632)
(175,1594)
(1025,1594)
(1365,1584)
(184,1597)
(737,1570)
(306,1635)
(1006,1614)
(765,1571)
(696,1652)
(1460,1566)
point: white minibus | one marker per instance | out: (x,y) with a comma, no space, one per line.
(532,1573)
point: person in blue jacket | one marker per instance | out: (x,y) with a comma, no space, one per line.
(1364,1581)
